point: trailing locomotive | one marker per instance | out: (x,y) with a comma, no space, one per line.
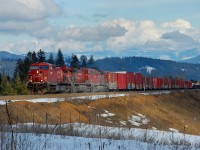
(47,77)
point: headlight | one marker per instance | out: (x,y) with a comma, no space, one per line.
(37,71)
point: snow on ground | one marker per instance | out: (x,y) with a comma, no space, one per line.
(149,69)
(127,139)
(107,114)
(155,93)
(52,100)
(138,120)
(173,130)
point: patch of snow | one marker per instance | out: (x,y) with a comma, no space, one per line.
(128,138)
(107,114)
(134,120)
(154,128)
(108,121)
(138,120)
(52,100)
(173,130)
(94,97)
(123,122)
(155,93)
(149,69)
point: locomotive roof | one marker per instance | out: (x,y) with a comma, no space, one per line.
(41,63)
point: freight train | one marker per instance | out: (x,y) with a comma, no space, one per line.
(45,77)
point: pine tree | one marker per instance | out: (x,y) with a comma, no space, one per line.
(83,61)
(91,62)
(34,57)
(19,69)
(20,87)
(51,60)
(74,62)
(60,59)
(41,56)
(6,87)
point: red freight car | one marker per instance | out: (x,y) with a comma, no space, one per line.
(150,86)
(157,83)
(130,80)
(145,81)
(138,81)
(166,83)
(121,81)
(111,80)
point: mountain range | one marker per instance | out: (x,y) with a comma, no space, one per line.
(147,66)
(194,60)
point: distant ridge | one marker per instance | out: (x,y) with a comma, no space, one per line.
(194,60)
(8,55)
(150,67)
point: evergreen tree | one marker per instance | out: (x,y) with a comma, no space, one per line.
(41,56)
(34,57)
(60,59)
(19,69)
(20,87)
(51,60)
(83,61)
(74,62)
(91,62)
(6,87)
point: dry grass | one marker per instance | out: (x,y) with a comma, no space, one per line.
(165,111)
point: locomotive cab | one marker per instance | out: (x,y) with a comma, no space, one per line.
(38,73)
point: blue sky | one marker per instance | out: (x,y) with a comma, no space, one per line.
(166,29)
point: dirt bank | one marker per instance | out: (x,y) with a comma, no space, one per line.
(177,110)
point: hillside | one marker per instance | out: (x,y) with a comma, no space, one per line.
(176,110)
(6,55)
(150,67)
(194,60)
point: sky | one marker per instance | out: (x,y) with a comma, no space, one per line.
(165,29)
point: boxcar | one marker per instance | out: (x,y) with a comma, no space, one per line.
(121,81)
(111,80)
(138,80)
(130,80)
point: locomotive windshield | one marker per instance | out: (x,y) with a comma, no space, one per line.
(33,67)
(44,67)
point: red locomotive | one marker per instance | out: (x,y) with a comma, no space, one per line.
(49,78)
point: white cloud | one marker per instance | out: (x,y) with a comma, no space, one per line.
(116,35)
(27,10)
(138,33)
(179,24)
